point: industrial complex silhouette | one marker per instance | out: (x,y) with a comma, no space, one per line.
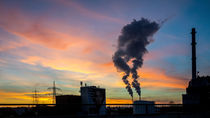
(92,101)
(198,90)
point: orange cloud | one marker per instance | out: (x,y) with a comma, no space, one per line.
(36,31)
(149,77)
(24,97)
(14,21)
(108,64)
(57,63)
(118,101)
(157,74)
(155,78)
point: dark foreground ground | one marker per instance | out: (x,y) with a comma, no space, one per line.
(166,115)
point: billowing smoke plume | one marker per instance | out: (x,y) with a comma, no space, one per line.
(131,48)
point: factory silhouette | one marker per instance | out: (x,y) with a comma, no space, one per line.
(89,95)
(92,99)
(197,93)
(198,90)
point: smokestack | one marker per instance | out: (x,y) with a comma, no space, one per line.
(81,83)
(193,54)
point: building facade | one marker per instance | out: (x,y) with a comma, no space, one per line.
(94,98)
(198,92)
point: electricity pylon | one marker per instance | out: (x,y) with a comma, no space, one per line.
(35,97)
(54,88)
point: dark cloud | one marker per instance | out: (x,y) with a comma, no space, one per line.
(131,47)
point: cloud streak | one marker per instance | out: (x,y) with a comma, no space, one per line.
(35,30)
(87,12)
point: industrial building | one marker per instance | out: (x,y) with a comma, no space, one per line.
(91,101)
(143,107)
(197,95)
(198,91)
(96,96)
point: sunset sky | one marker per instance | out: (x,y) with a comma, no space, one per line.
(69,41)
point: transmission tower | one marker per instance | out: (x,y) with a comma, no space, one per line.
(35,97)
(54,93)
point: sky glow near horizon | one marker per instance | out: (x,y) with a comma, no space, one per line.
(69,41)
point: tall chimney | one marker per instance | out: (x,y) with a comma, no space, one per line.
(193,54)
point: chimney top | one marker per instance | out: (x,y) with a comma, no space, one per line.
(193,30)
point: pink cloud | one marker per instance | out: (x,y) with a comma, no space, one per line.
(6,45)
(22,25)
(36,31)
(89,13)
(164,52)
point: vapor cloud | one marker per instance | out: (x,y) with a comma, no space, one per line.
(131,47)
